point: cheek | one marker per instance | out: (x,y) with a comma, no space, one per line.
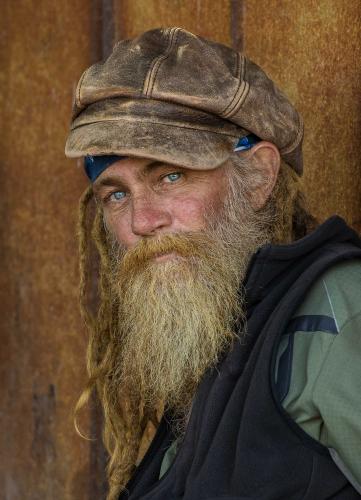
(119,225)
(188,213)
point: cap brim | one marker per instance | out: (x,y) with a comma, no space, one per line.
(152,129)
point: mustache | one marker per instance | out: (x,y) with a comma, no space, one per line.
(191,245)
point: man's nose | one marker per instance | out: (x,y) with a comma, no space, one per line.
(149,216)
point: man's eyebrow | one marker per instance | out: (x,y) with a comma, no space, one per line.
(154,165)
(116,181)
(107,181)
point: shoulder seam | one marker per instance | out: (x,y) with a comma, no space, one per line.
(331,305)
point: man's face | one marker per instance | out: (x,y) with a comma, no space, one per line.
(180,242)
(143,198)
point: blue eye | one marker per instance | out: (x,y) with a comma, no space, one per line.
(117,195)
(174,176)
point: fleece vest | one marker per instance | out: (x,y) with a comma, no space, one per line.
(240,444)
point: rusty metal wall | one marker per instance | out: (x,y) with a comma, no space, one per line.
(44,47)
(311,48)
(205,17)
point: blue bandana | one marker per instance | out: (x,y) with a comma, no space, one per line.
(247,142)
(95,165)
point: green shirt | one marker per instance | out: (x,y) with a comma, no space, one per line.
(321,362)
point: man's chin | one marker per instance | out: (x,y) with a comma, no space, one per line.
(170,266)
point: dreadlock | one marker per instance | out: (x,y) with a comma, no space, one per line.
(122,433)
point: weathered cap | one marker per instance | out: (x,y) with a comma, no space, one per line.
(174,96)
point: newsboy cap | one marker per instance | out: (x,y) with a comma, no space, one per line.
(177,97)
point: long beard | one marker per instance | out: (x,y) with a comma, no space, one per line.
(177,316)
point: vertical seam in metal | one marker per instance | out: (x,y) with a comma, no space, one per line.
(108,29)
(102,39)
(237,24)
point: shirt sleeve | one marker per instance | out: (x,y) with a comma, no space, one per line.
(337,397)
(324,393)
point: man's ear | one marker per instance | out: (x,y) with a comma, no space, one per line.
(267,160)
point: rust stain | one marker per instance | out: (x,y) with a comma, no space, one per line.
(43,409)
(97,457)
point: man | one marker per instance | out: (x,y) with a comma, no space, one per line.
(208,307)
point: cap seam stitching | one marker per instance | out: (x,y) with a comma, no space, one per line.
(79,103)
(170,48)
(158,123)
(241,98)
(242,95)
(152,73)
(238,73)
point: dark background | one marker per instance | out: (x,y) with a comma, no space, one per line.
(311,48)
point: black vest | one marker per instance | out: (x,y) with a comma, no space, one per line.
(240,444)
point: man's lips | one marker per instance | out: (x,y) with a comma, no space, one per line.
(163,256)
